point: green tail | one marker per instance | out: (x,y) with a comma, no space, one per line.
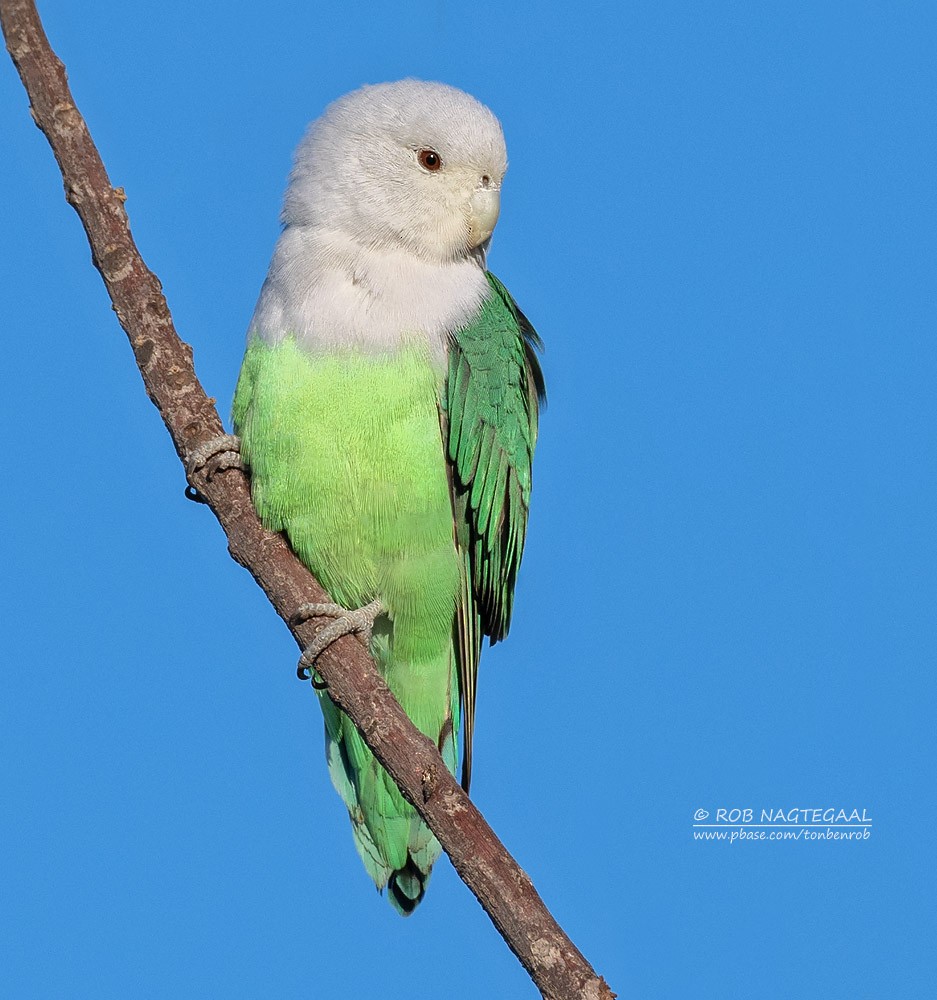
(396,846)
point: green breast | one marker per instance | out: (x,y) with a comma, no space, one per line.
(346,457)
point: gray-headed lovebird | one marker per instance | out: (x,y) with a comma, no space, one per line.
(387,409)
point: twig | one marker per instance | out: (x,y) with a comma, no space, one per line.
(504,890)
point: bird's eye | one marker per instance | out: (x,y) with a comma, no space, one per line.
(429,159)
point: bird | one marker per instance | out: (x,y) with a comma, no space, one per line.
(387,411)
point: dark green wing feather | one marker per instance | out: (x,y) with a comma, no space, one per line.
(493,392)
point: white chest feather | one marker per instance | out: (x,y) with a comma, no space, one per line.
(330,293)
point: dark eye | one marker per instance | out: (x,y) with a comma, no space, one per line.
(429,159)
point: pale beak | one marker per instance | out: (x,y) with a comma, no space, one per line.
(484,207)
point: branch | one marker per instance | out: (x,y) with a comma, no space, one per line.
(165,362)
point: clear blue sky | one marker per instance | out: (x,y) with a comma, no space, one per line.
(721,218)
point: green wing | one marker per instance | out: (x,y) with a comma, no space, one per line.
(493,392)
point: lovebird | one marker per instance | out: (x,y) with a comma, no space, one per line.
(387,411)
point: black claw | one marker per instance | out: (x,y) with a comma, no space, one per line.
(305,674)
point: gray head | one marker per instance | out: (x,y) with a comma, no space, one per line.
(409,165)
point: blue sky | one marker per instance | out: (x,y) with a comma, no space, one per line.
(721,218)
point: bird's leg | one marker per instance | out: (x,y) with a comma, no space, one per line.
(359,622)
(216,455)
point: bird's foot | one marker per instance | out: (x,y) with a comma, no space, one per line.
(222,452)
(359,622)
(216,455)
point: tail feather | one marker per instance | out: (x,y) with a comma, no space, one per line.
(397,848)
(406,888)
(399,862)
(422,847)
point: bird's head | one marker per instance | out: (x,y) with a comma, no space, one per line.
(408,165)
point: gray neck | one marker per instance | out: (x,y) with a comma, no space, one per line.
(331,294)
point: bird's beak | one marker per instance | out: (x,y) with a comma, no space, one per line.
(484,207)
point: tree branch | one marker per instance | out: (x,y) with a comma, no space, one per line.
(165,362)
